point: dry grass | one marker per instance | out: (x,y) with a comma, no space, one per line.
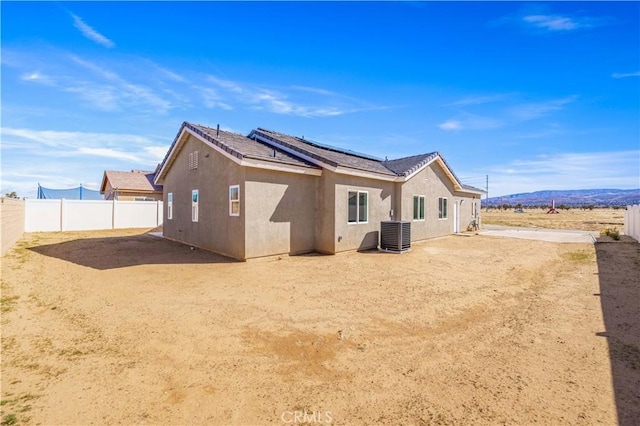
(587,220)
(118,327)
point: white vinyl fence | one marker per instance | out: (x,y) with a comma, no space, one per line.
(632,222)
(86,215)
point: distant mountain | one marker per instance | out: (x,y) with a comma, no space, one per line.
(580,197)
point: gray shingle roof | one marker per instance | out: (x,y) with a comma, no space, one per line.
(281,148)
(336,157)
(331,156)
(243,147)
(239,146)
(407,165)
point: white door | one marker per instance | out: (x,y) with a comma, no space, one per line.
(456,222)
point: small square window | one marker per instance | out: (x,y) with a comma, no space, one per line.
(418,207)
(194,205)
(358,207)
(442,208)
(234,200)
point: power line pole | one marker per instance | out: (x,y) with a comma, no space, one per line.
(487,192)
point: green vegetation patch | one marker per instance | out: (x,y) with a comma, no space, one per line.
(579,256)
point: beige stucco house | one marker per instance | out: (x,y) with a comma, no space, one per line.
(268,193)
(136,185)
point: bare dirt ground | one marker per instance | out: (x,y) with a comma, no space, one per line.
(119,327)
(586,220)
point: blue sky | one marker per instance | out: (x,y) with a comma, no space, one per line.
(535,95)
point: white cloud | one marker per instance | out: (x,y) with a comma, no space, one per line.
(90,33)
(468,121)
(110,153)
(29,157)
(450,125)
(625,75)
(37,77)
(100,96)
(315,90)
(227,93)
(540,19)
(37,139)
(531,111)
(593,170)
(142,87)
(229,85)
(553,22)
(156,152)
(479,100)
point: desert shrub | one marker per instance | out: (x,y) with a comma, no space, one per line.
(613,233)
(9,419)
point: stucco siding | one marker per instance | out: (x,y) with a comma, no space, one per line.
(361,236)
(280,212)
(215,229)
(433,184)
(466,210)
(325,240)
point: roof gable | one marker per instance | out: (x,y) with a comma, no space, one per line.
(135,180)
(233,145)
(408,165)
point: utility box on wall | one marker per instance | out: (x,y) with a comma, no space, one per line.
(395,236)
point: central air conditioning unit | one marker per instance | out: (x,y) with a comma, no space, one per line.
(395,236)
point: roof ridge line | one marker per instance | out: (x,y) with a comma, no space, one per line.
(325,146)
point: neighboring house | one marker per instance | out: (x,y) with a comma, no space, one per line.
(268,193)
(136,185)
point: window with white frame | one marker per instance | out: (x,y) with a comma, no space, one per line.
(442,208)
(193,160)
(195,198)
(418,207)
(234,200)
(170,205)
(358,207)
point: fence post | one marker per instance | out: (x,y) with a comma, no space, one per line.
(113,214)
(632,222)
(62,215)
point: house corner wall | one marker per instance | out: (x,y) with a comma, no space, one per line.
(215,229)
(325,236)
(433,183)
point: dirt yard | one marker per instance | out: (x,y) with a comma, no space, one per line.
(120,327)
(587,220)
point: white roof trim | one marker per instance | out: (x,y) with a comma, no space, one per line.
(365,174)
(269,165)
(456,184)
(471,191)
